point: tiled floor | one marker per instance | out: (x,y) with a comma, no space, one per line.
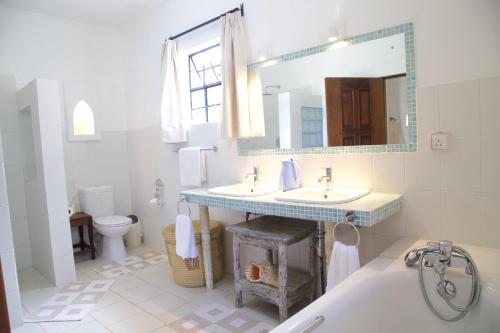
(142,301)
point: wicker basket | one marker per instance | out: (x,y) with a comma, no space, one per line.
(196,277)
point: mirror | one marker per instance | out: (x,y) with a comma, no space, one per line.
(355,95)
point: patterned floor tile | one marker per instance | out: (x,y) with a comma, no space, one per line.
(73,302)
(218,318)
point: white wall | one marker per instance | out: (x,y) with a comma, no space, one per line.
(7,251)
(14,170)
(455,40)
(40,46)
(44,180)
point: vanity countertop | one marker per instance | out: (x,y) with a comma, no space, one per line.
(369,210)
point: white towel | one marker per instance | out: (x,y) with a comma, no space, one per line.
(185,242)
(290,175)
(343,262)
(192,166)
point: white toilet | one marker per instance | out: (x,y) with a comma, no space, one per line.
(98,201)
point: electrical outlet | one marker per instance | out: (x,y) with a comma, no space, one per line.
(439,141)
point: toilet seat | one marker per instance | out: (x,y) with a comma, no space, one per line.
(112,221)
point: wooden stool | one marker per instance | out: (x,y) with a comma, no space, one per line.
(79,220)
(275,234)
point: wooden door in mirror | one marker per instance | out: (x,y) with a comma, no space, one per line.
(355,111)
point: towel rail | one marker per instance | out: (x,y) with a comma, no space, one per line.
(214,149)
(349,220)
(183,200)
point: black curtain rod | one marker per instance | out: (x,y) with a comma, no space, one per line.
(208,22)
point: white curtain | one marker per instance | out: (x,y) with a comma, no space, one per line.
(238,119)
(173,107)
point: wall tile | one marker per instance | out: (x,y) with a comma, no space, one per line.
(461,217)
(489,105)
(460,165)
(9,269)
(393,226)
(353,171)
(427,115)
(15,188)
(15,308)
(4,200)
(388,172)
(52,145)
(422,171)
(20,231)
(490,217)
(5,228)
(64,269)
(459,108)
(490,163)
(423,214)
(23,256)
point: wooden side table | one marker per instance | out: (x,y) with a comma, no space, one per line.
(78,220)
(275,234)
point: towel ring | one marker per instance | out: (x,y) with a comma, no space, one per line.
(349,218)
(182,200)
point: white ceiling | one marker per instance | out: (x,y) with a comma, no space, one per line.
(112,13)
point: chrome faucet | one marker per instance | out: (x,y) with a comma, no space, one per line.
(441,255)
(255,175)
(328,177)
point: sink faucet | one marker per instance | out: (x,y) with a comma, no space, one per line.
(328,177)
(255,174)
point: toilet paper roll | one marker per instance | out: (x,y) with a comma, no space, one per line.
(155,202)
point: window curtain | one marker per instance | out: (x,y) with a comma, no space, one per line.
(239,119)
(172,108)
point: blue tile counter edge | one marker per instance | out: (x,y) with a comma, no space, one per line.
(369,210)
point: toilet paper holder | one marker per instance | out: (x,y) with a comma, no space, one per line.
(158,196)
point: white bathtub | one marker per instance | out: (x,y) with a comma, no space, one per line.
(384,296)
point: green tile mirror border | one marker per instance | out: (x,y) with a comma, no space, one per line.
(407,29)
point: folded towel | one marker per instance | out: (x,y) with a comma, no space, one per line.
(185,241)
(289,177)
(343,262)
(192,166)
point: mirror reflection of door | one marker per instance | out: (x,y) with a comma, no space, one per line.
(355,111)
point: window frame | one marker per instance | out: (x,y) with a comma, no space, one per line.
(204,87)
(74,92)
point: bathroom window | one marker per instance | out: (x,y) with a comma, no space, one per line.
(83,119)
(205,84)
(82,105)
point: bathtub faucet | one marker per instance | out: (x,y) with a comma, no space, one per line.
(440,255)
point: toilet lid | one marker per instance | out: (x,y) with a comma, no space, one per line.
(113,221)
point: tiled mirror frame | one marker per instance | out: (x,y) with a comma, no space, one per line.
(411,146)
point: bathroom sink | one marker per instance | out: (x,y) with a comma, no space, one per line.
(318,195)
(242,190)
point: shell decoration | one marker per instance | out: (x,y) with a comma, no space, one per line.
(263,272)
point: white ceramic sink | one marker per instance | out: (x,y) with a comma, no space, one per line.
(242,190)
(318,195)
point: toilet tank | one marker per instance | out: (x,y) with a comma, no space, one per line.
(97,201)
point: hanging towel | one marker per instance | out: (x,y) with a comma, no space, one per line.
(343,262)
(185,242)
(289,177)
(192,166)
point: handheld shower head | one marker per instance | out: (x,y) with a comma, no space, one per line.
(412,257)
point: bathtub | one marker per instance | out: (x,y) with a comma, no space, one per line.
(384,296)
